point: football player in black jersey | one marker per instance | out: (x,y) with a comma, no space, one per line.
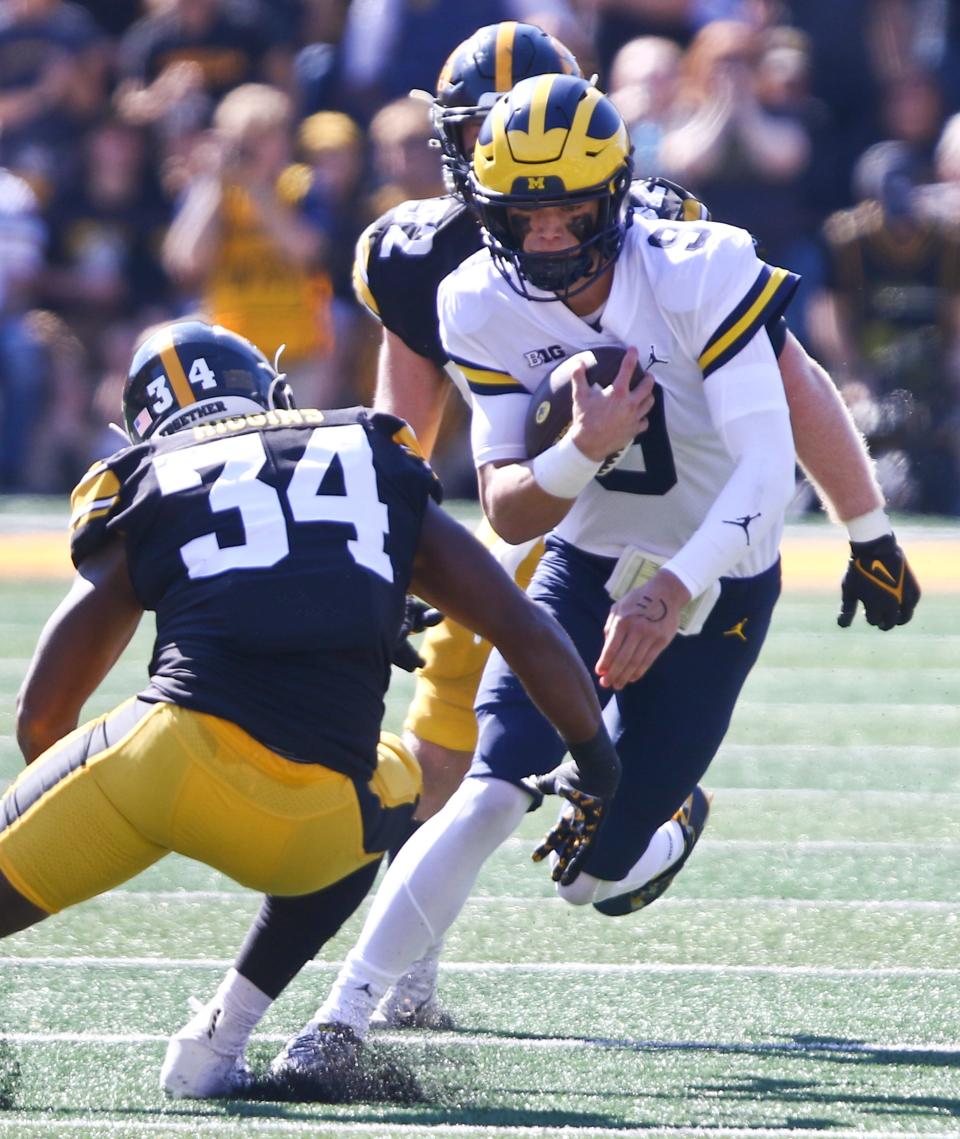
(276,548)
(401,259)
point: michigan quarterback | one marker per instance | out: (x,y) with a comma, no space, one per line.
(401,259)
(276,548)
(684,531)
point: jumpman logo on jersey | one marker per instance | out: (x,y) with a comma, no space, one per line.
(744,523)
(737,630)
(654,359)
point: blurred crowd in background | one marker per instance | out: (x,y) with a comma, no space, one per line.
(160,158)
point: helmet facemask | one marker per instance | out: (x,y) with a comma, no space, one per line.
(448,122)
(566,272)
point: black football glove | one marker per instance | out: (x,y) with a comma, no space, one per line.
(879,577)
(572,835)
(588,782)
(417,616)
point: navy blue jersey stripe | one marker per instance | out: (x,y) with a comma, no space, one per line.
(764,301)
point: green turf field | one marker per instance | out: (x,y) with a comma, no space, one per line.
(802,975)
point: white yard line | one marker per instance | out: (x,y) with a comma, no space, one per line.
(562,968)
(419,1129)
(899,905)
(543,1043)
(803,846)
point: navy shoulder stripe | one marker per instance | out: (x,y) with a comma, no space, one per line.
(764,301)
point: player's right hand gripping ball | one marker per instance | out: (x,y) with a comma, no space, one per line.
(573,834)
(880,578)
(550,410)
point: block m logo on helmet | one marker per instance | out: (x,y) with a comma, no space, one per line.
(537,183)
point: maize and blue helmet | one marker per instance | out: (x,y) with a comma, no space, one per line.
(554,140)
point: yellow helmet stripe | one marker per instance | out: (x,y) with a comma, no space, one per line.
(538,106)
(361,290)
(581,120)
(503,67)
(174,370)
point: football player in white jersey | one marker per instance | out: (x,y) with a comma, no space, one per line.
(664,569)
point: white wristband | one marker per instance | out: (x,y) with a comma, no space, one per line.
(867,527)
(563,470)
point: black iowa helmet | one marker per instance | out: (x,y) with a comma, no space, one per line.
(187,372)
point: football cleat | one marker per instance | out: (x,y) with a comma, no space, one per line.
(412,1001)
(692,817)
(197,1065)
(317,1060)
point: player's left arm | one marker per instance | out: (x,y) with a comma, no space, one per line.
(454,572)
(829,447)
(411,386)
(79,644)
(834,455)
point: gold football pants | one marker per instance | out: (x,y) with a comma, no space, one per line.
(120,792)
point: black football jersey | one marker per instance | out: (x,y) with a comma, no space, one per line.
(402,257)
(276,551)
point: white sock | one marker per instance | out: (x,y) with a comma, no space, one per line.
(662,852)
(355,994)
(421,895)
(242,1006)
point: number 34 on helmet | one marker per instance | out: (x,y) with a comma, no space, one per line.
(554,140)
(188,371)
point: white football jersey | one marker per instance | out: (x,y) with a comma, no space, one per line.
(691,297)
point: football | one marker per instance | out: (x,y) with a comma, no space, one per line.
(551,404)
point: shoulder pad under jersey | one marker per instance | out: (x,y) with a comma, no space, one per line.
(661,198)
(400,260)
(402,435)
(97,500)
